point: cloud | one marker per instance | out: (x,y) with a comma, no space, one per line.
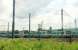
(5,10)
(23,7)
(49,13)
(72,3)
(41,10)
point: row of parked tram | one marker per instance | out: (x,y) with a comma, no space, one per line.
(55,34)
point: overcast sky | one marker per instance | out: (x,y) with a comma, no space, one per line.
(46,11)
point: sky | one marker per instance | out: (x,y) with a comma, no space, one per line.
(47,12)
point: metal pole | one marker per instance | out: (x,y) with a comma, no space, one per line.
(75,23)
(29,25)
(29,22)
(62,19)
(13,22)
(8,28)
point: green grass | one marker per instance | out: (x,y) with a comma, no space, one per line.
(33,44)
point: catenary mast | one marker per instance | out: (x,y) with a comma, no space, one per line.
(13,19)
